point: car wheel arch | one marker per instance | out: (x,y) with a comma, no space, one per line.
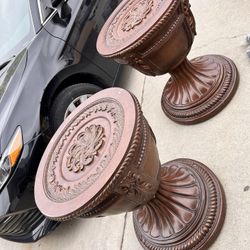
(56,85)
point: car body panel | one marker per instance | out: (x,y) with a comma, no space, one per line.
(85,24)
(11,78)
(35,15)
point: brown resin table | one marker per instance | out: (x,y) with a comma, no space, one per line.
(103,160)
(155,37)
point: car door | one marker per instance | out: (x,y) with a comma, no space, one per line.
(78,23)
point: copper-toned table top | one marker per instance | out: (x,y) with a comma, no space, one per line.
(133,22)
(85,152)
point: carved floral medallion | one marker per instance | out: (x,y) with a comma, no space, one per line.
(85,148)
(137,14)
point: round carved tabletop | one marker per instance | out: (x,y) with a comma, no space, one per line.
(93,151)
(133,23)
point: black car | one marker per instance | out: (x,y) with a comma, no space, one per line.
(48,66)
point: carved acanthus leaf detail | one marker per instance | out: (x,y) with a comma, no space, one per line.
(135,186)
(189,16)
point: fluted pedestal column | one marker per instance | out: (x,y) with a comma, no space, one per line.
(155,37)
(188,209)
(103,160)
(198,89)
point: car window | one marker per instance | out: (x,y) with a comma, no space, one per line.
(15,26)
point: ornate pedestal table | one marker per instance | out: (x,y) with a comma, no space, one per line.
(103,160)
(154,37)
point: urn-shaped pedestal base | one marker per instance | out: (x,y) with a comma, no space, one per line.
(188,209)
(199,89)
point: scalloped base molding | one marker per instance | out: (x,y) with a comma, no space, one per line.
(199,89)
(187,212)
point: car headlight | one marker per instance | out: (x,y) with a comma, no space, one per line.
(10,156)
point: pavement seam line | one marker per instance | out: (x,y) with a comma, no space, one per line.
(143,90)
(123,231)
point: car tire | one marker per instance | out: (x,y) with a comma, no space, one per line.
(64,99)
